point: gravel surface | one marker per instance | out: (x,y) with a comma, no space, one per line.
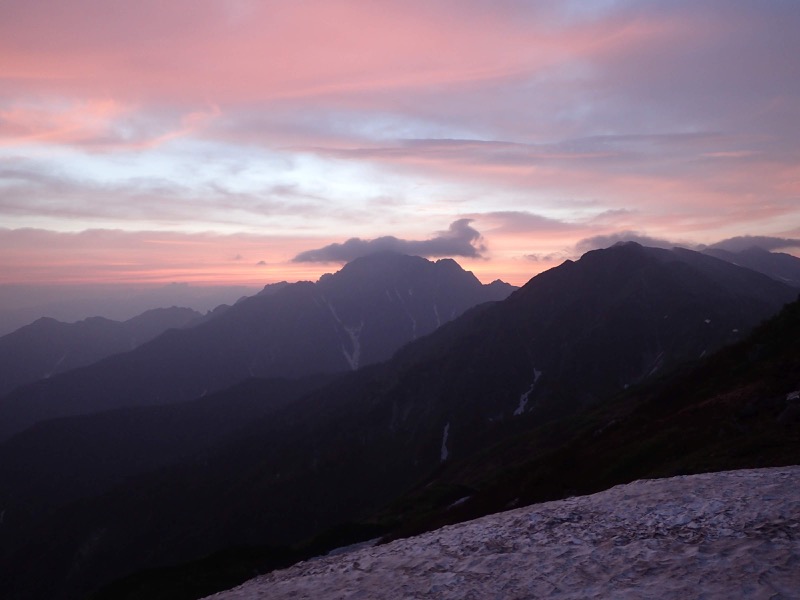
(717,535)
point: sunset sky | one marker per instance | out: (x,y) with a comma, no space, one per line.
(246,141)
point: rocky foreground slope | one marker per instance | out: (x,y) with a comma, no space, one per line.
(719,535)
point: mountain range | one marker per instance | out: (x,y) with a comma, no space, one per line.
(358,316)
(276,462)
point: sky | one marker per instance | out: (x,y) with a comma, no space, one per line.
(242,142)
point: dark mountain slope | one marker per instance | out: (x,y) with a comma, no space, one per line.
(587,329)
(358,316)
(737,409)
(568,339)
(58,461)
(47,347)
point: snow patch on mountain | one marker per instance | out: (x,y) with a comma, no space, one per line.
(408,313)
(657,364)
(523,399)
(444,452)
(523,402)
(55,366)
(353,357)
(716,535)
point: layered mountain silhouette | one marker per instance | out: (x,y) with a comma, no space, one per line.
(47,347)
(358,316)
(559,347)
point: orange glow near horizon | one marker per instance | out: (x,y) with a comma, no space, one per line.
(201,260)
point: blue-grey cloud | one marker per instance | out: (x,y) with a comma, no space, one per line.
(744,242)
(734,244)
(598,242)
(459,240)
(551,257)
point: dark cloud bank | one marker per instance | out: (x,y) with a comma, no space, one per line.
(459,240)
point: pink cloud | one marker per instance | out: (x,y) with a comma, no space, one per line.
(94,124)
(188,49)
(237,51)
(674,119)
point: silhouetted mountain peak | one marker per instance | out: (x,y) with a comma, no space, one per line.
(272,288)
(44,322)
(389,265)
(381,263)
(421,286)
(449,264)
(627,244)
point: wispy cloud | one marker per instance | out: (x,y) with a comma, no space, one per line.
(524,222)
(96,125)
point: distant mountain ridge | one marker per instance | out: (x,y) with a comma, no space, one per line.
(47,347)
(778,265)
(357,316)
(569,339)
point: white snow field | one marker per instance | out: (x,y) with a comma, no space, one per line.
(718,535)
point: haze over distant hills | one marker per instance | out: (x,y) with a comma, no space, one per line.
(288,463)
(780,266)
(358,316)
(47,347)
(21,305)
